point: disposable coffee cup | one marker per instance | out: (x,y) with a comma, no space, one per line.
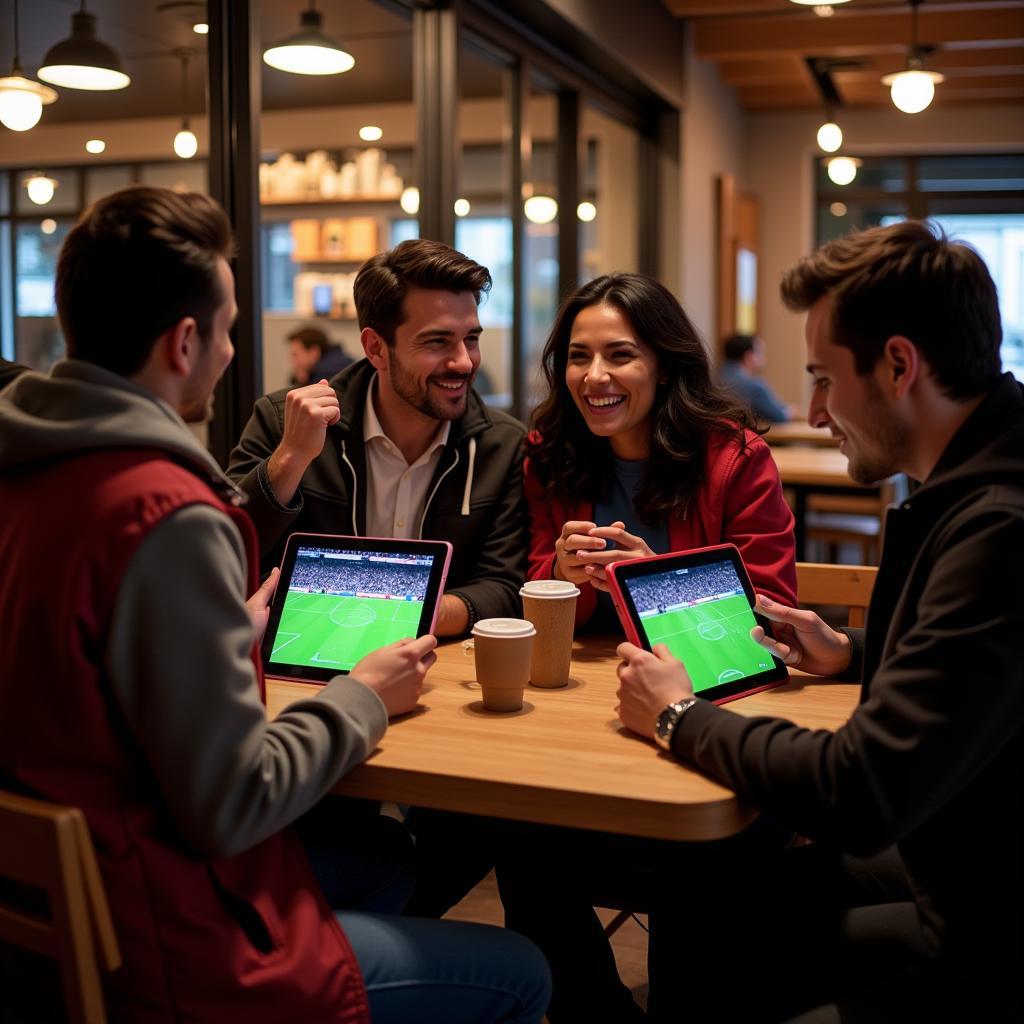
(551,606)
(502,648)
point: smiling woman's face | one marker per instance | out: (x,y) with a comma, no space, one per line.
(612,376)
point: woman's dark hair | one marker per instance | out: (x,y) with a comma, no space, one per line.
(688,406)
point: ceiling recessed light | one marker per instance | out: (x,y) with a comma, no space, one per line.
(371,133)
(201,28)
(462,207)
(95,146)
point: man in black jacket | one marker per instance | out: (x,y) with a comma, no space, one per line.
(909,904)
(399,444)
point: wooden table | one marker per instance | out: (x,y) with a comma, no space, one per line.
(565,759)
(804,470)
(800,432)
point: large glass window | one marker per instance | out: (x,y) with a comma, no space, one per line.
(484,207)
(976,198)
(336,174)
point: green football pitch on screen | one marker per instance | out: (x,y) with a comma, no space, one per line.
(712,640)
(331,631)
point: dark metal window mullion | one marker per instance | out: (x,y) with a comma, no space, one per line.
(235,103)
(435,59)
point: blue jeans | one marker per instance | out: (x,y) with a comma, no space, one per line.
(415,971)
(448,972)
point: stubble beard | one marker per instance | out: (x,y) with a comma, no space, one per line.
(409,389)
(888,438)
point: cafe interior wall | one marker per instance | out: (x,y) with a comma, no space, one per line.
(778,158)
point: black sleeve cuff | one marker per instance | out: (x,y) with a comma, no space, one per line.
(267,490)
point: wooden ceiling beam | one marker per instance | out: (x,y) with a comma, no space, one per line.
(849,33)
(789,68)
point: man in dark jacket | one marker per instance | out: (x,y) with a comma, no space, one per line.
(312,357)
(399,444)
(903,336)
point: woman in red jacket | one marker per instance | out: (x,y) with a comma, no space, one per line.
(637,452)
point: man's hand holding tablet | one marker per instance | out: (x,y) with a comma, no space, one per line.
(396,672)
(648,682)
(803,639)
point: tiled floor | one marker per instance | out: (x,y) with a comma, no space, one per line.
(629,942)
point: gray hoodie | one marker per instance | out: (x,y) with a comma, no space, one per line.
(178,651)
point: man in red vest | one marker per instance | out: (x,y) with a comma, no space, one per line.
(129,684)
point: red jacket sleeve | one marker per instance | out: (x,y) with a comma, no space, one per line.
(756,518)
(547,517)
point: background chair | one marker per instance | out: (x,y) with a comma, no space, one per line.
(847,586)
(48,847)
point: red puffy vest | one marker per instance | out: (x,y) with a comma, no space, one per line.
(245,938)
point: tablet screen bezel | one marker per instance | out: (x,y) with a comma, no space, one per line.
(441,550)
(621,572)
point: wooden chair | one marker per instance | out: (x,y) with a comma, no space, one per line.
(837,519)
(848,586)
(48,847)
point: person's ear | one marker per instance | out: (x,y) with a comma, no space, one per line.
(375,347)
(901,365)
(180,345)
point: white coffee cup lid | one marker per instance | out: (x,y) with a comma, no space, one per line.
(504,628)
(548,588)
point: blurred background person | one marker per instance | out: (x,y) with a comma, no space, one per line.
(741,373)
(312,357)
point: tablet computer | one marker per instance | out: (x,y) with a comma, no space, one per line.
(341,597)
(700,604)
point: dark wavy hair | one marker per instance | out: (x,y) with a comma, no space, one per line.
(688,405)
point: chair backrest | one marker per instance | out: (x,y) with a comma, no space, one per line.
(48,847)
(846,585)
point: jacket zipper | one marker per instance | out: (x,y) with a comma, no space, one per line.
(430,497)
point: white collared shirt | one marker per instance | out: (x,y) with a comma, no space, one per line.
(396,492)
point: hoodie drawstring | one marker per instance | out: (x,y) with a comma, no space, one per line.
(469,476)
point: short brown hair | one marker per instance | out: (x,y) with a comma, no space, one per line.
(311,337)
(383,280)
(911,280)
(137,262)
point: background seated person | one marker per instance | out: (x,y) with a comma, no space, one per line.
(131,685)
(636,452)
(312,357)
(742,373)
(399,444)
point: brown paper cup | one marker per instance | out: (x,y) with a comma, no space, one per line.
(551,606)
(503,648)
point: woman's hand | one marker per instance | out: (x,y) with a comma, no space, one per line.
(574,539)
(803,641)
(627,546)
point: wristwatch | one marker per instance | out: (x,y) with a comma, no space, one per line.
(666,722)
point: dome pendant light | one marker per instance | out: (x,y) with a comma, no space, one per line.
(186,145)
(830,135)
(21,99)
(309,51)
(83,61)
(912,90)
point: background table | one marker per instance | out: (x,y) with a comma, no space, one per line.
(806,470)
(800,432)
(565,759)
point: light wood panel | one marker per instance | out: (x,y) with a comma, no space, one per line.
(565,759)
(848,585)
(762,48)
